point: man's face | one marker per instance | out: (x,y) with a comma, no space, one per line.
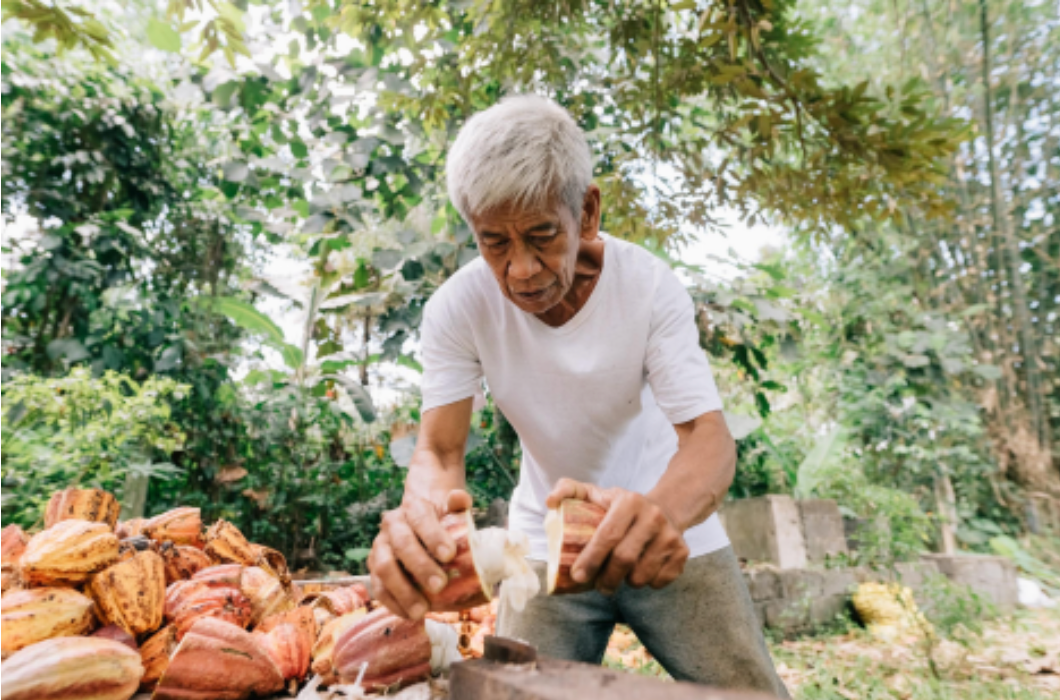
(532,252)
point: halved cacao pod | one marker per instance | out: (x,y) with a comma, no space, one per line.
(13,542)
(569,528)
(289,646)
(155,654)
(272,562)
(301,617)
(227,545)
(397,651)
(68,553)
(182,561)
(465,588)
(179,526)
(131,594)
(217,660)
(85,668)
(37,614)
(346,599)
(189,601)
(93,505)
(118,635)
(324,649)
(128,547)
(267,594)
(133,527)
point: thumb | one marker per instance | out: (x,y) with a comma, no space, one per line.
(457,500)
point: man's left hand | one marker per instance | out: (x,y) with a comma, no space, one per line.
(637,541)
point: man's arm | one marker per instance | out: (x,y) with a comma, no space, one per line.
(410,538)
(641,539)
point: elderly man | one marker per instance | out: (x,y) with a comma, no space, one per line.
(589,346)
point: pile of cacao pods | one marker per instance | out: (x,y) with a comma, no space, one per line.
(101,609)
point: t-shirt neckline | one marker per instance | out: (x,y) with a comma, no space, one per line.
(594,298)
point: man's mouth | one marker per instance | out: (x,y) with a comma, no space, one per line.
(535,295)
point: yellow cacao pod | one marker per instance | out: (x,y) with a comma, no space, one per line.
(131,594)
(37,614)
(93,505)
(85,668)
(68,553)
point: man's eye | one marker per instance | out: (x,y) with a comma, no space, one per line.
(543,240)
(496,244)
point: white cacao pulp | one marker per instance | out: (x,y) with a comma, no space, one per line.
(445,643)
(500,558)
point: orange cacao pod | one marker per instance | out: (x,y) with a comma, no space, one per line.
(569,528)
(68,553)
(301,617)
(133,527)
(266,593)
(227,545)
(324,649)
(93,505)
(289,646)
(117,634)
(182,561)
(13,542)
(85,668)
(155,654)
(131,594)
(189,601)
(397,651)
(217,660)
(37,614)
(179,526)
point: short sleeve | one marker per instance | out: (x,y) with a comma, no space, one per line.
(451,368)
(677,367)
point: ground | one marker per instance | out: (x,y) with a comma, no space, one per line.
(1016,658)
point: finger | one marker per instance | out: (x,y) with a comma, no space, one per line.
(612,530)
(395,582)
(423,519)
(626,554)
(409,550)
(567,488)
(380,593)
(458,500)
(671,570)
(651,562)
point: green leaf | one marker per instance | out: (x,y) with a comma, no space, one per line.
(163,36)
(292,356)
(236,171)
(361,399)
(358,553)
(812,469)
(248,318)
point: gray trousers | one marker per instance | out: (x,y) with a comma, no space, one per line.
(701,628)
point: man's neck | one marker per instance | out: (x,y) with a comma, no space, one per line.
(587,270)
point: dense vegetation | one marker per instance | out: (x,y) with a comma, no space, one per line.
(900,356)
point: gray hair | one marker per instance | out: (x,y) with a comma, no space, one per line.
(525,150)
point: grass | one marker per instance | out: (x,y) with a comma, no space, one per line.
(1015,658)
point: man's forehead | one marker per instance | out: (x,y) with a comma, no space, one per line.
(521,217)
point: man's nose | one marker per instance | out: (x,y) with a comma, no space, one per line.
(524,264)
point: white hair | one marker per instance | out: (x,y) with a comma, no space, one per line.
(526,151)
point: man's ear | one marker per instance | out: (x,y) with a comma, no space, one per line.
(590,219)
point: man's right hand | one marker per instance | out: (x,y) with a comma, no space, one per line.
(406,553)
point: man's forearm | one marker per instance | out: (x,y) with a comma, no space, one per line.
(699,474)
(432,475)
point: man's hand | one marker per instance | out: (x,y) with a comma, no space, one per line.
(637,541)
(406,552)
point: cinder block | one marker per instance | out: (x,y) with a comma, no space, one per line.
(992,577)
(841,582)
(788,615)
(822,529)
(763,584)
(797,584)
(766,529)
(824,610)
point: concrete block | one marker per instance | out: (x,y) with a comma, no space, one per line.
(916,573)
(992,577)
(797,584)
(760,613)
(763,585)
(788,616)
(822,529)
(841,582)
(766,529)
(825,609)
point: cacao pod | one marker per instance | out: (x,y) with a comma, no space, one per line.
(569,529)
(272,562)
(93,505)
(301,617)
(222,575)
(397,651)
(218,661)
(72,668)
(131,594)
(37,614)
(341,601)
(133,527)
(68,553)
(289,646)
(189,601)
(324,649)
(12,544)
(179,526)
(267,595)
(464,589)
(155,654)
(226,544)
(118,635)
(128,547)
(182,561)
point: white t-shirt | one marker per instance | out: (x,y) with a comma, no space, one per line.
(594,400)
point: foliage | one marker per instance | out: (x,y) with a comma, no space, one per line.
(956,612)
(81,430)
